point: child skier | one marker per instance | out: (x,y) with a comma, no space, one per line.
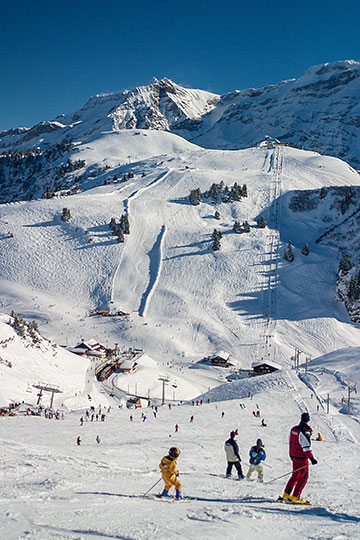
(170,474)
(257,455)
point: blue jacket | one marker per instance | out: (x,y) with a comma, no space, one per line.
(257,455)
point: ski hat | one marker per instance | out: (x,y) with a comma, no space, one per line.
(174,452)
(259,443)
(305,417)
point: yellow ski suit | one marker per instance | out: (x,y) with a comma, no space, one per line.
(169,472)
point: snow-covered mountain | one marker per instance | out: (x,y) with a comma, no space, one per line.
(319,111)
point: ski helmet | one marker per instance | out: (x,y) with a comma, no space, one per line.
(174,452)
(259,443)
(305,417)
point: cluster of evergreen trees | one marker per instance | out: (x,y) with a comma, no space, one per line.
(289,254)
(121,228)
(219,193)
(69,166)
(20,170)
(24,328)
(244,228)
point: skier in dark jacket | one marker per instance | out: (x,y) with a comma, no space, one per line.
(300,453)
(233,456)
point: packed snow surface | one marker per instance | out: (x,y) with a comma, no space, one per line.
(184,302)
(52,488)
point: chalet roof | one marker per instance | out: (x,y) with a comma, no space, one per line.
(269,363)
(221,354)
(91,345)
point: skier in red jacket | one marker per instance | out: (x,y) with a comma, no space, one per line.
(300,453)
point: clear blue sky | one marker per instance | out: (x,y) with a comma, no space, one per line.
(55,54)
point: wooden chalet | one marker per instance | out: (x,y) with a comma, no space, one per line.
(220,359)
(89,348)
(264,366)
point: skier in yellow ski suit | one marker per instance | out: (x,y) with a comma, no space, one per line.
(170,473)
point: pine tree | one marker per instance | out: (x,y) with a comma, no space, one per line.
(245,227)
(237,227)
(261,222)
(216,234)
(124,224)
(305,249)
(119,234)
(195,197)
(65,216)
(288,252)
(216,244)
(244,191)
(112,224)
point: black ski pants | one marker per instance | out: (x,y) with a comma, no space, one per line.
(237,466)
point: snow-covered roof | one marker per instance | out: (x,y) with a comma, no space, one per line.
(267,363)
(221,354)
(91,344)
(127,364)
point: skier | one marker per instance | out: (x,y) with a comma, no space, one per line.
(131,417)
(222,414)
(176,428)
(257,455)
(192,418)
(300,453)
(81,421)
(319,437)
(170,474)
(263,423)
(78,441)
(98,439)
(233,457)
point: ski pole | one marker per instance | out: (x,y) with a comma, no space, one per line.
(151,487)
(286,474)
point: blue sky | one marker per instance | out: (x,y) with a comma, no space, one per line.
(55,55)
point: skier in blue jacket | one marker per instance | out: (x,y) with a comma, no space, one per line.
(257,455)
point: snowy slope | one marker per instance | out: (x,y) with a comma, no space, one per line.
(52,488)
(185,300)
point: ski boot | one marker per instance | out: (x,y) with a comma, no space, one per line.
(228,476)
(299,500)
(286,498)
(240,477)
(164,493)
(178,495)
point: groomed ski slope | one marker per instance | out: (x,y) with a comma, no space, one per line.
(186,301)
(52,488)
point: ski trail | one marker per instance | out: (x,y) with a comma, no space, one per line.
(155,255)
(138,192)
(126,204)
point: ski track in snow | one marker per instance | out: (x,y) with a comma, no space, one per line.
(155,263)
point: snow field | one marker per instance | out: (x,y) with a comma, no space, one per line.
(55,489)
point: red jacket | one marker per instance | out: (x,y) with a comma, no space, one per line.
(300,442)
